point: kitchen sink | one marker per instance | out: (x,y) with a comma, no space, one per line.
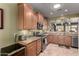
(12,49)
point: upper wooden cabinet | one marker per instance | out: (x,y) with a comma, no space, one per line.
(27,18)
(40,17)
(45,24)
(20,21)
(42,20)
(34,21)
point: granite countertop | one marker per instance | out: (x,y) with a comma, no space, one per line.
(29,40)
(60,33)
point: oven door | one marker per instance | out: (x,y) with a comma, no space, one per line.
(44,43)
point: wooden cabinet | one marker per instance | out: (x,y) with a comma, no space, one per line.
(52,39)
(42,20)
(20,21)
(60,39)
(26,17)
(34,21)
(45,24)
(40,17)
(38,46)
(49,39)
(20,53)
(31,49)
(55,39)
(68,40)
(28,20)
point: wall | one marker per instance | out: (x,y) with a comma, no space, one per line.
(10,19)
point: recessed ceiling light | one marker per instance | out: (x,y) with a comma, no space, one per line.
(51,13)
(66,10)
(57,6)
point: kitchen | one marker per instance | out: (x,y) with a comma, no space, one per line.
(39,29)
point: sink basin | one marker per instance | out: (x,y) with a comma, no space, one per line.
(11,49)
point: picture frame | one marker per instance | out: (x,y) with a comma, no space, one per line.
(1,18)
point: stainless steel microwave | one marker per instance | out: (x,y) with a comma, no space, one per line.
(39,26)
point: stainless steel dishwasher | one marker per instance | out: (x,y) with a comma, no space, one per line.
(75,41)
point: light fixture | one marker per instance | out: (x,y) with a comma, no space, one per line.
(66,10)
(57,6)
(24,32)
(51,13)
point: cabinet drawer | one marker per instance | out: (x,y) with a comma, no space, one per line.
(20,53)
(31,44)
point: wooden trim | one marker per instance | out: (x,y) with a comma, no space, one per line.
(1,27)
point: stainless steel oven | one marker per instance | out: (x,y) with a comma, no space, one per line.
(44,42)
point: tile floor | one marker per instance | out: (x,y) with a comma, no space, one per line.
(55,50)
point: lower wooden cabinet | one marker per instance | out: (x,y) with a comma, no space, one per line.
(20,53)
(31,49)
(68,40)
(60,39)
(55,39)
(38,46)
(52,39)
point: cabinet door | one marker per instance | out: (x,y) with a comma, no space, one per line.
(52,39)
(31,49)
(20,16)
(45,25)
(27,18)
(68,40)
(38,46)
(55,39)
(49,39)
(40,18)
(61,40)
(34,21)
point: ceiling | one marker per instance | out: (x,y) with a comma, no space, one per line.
(47,8)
